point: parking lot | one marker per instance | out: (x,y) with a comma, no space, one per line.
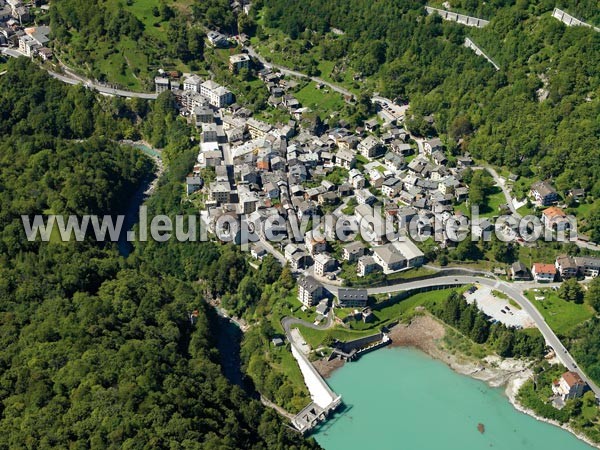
(499,308)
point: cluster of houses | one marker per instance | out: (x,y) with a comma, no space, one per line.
(250,170)
(18,39)
(14,12)
(257,170)
(280,95)
(193,93)
(565,267)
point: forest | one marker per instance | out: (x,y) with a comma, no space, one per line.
(98,350)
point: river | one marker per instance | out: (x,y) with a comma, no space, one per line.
(139,196)
(398,398)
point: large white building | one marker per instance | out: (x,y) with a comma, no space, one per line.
(398,256)
(310,291)
(323,264)
(192,83)
(28,45)
(217,95)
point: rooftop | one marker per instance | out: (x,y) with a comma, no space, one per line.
(309,283)
(572,378)
(544,268)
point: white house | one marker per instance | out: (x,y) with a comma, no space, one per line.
(543,273)
(217,95)
(192,83)
(569,385)
(367,265)
(369,147)
(323,264)
(310,291)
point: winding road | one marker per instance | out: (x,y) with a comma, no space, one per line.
(286,71)
(515,291)
(101,88)
(70,77)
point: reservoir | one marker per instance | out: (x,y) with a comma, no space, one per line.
(399,398)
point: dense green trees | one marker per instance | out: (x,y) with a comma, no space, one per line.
(479,188)
(592,295)
(571,291)
(98,351)
(470,321)
(113,42)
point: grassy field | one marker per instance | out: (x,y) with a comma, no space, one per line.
(562,316)
(494,200)
(315,338)
(352,279)
(543,252)
(129,63)
(403,309)
(321,100)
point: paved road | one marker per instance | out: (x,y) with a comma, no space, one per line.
(70,78)
(103,89)
(319,390)
(272,250)
(289,322)
(335,87)
(514,291)
(502,185)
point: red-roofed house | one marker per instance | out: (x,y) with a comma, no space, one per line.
(569,385)
(555,219)
(543,273)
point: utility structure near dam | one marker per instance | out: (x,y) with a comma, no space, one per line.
(470,44)
(324,400)
(569,20)
(459,18)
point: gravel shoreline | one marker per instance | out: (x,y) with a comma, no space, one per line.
(426,334)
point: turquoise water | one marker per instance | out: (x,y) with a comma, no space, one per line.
(147,150)
(403,399)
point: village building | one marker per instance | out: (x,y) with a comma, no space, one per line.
(555,219)
(353,251)
(587,266)
(352,298)
(370,147)
(323,264)
(432,145)
(310,291)
(192,83)
(566,266)
(239,62)
(543,273)
(367,265)
(314,242)
(217,95)
(569,386)
(544,193)
(519,272)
